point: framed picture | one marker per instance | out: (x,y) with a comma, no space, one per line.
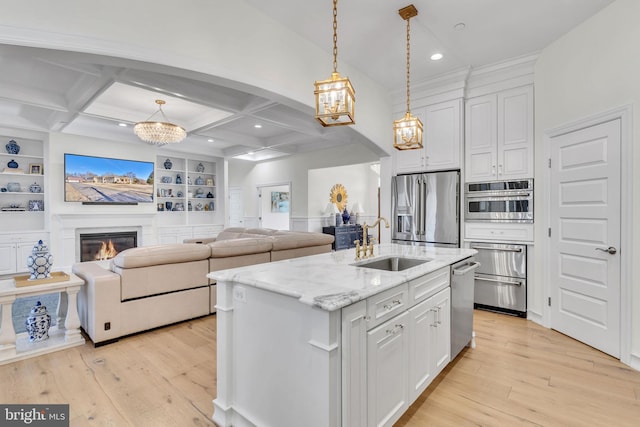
(209,182)
(280,201)
(36,205)
(35,168)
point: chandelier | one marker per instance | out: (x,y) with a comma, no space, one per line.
(407,132)
(159,132)
(335,100)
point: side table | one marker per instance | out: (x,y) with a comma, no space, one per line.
(66,333)
(344,235)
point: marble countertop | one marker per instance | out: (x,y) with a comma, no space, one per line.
(330,281)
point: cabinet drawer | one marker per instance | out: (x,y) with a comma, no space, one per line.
(499,231)
(387,304)
(425,286)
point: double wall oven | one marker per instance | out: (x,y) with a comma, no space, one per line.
(501,280)
(499,201)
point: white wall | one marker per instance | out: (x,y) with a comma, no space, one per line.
(360,181)
(592,69)
(292,169)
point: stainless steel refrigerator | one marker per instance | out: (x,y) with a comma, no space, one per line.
(426,209)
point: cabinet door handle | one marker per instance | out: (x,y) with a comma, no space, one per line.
(393,304)
(438,316)
(499,169)
(395,329)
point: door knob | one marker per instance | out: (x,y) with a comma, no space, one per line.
(610,249)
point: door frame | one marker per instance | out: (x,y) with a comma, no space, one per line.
(259,188)
(625,114)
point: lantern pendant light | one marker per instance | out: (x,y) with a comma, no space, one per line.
(407,132)
(335,100)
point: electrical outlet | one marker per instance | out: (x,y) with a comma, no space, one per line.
(239,294)
(107,326)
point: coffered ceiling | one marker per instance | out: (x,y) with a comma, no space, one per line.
(89,95)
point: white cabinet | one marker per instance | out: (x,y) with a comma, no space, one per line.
(16,248)
(387,371)
(394,344)
(499,136)
(442,140)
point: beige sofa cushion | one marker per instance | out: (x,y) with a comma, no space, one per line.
(299,239)
(145,256)
(239,246)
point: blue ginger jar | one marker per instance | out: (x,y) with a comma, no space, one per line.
(39,262)
(168,164)
(12,164)
(12,147)
(38,323)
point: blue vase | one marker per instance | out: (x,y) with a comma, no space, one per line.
(38,323)
(345,216)
(12,147)
(168,164)
(178,179)
(12,164)
(39,262)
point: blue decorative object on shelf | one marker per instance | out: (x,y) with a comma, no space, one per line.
(168,164)
(212,206)
(166,180)
(12,147)
(12,164)
(199,181)
(35,188)
(38,323)
(200,168)
(345,216)
(39,262)
(178,179)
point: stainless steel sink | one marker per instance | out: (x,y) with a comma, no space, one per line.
(392,263)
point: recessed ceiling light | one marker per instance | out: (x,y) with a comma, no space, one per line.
(251,153)
(257,126)
(459,26)
(209,140)
(436,56)
(124,125)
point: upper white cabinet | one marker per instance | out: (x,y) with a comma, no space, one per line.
(442,140)
(499,136)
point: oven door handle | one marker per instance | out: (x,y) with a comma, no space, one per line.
(508,282)
(491,248)
(497,195)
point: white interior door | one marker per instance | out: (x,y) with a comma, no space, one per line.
(236,207)
(275,206)
(585,235)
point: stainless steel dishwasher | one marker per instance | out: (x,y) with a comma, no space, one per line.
(462,286)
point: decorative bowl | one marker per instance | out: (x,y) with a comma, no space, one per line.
(14,187)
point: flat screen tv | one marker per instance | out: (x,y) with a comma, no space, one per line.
(102,180)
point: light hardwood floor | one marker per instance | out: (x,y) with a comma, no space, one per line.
(519,374)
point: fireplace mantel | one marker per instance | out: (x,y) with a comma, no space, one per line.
(71,225)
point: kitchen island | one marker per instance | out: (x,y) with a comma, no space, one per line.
(319,341)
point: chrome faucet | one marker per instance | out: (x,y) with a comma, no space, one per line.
(368,244)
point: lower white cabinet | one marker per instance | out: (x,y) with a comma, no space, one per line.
(386,366)
(16,248)
(387,371)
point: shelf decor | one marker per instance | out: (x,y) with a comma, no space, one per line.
(35,169)
(12,147)
(38,323)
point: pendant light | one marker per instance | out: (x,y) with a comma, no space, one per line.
(335,100)
(407,132)
(159,132)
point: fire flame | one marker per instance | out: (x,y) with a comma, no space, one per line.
(107,251)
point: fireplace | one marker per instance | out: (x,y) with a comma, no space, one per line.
(103,246)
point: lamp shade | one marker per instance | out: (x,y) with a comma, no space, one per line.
(331,209)
(357,208)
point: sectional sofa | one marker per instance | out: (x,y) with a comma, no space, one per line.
(147,287)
